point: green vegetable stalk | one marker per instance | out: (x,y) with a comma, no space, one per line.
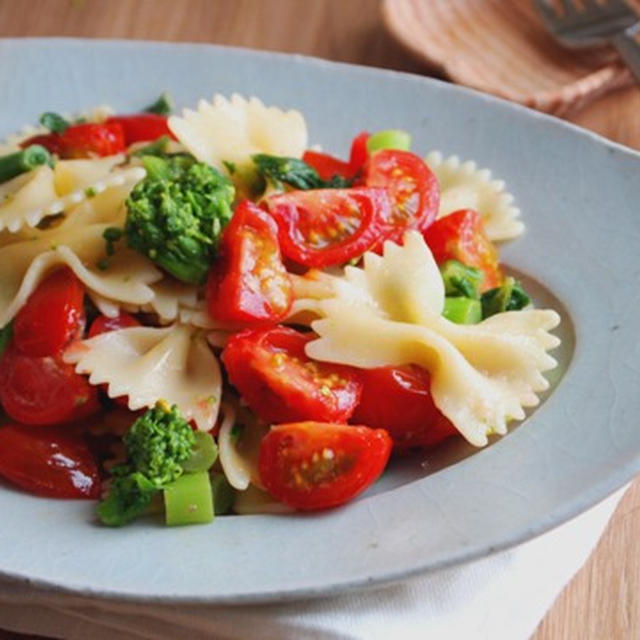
(54,122)
(176,214)
(161,447)
(460,279)
(14,164)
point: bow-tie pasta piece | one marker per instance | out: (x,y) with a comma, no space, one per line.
(231,130)
(23,265)
(464,186)
(147,364)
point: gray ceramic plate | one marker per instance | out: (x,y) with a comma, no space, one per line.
(581,255)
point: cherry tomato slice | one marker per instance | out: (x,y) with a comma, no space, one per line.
(248,282)
(327,166)
(412,187)
(52,317)
(102,324)
(461,236)
(359,153)
(314,465)
(281,384)
(83,141)
(43,391)
(142,127)
(399,400)
(48,462)
(326,227)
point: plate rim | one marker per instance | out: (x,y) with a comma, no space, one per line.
(613,481)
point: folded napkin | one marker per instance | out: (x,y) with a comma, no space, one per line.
(501,597)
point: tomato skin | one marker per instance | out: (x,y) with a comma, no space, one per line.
(280,383)
(83,141)
(326,227)
(52,317)
(43,391)
(399,400)
(142,127)
(327,166)
(359,153)
(461,236)
(248,282)
(102,324)
(413,189)
(313,465)
(48,462)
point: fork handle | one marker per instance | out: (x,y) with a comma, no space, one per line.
(629,49)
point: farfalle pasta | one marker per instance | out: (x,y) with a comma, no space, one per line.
(265,323)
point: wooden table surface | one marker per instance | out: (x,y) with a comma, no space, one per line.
(603,600)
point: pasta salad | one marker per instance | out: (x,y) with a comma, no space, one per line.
(202,314)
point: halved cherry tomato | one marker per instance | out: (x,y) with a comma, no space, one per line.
(48,462)
(359,153)
(102,324)
(314,465)
(461,236)
(327,166)
(281,384)
(43,391)
(248,282)
(141,127)
(83,140)
(52,316)
(326,227)
(399,400)
(412,188)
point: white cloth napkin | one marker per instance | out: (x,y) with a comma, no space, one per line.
(502,597)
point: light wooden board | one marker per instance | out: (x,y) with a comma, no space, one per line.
(603,601)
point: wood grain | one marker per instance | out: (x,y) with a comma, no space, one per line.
(603,601)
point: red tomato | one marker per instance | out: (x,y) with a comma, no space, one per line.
(281,384)
(315,465)
(52,316)
(461,236)
(412,187)
(248,282)
(142,127)
(325,227)
(359,152)
(43,391)
(327,166)
(399,400)
(48,462)
(83,140)
(102,324)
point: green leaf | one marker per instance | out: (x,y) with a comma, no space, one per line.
(163,106)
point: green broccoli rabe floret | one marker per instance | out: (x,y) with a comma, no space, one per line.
(295,173)
(158,442)
(129,498)
(157,445)
(509,296)
(176,214)
(14,164)
(460,279)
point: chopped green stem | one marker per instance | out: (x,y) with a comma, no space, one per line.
(188,500)
(20,162)
(509,296)
(223,494)
(461,280)
(389,139)
(158,147)
(462,310)
(203,454)
(54,122)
